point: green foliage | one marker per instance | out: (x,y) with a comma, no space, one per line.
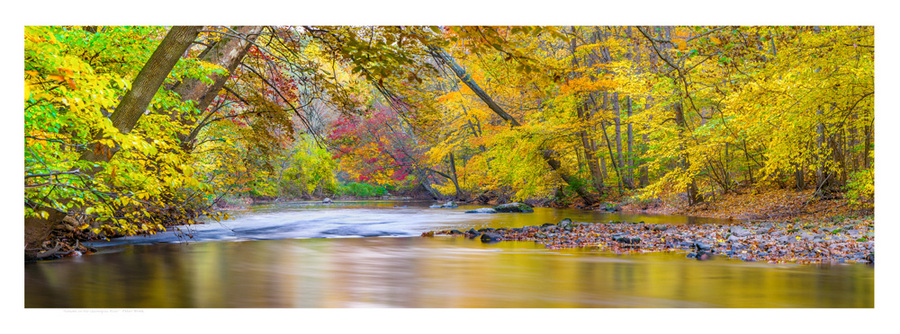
(861,188)
(357,189)
(309,171)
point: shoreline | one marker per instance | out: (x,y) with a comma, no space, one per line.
(850,241)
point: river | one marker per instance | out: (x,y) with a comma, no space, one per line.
(370,254)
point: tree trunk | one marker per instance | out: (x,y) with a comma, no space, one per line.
(596,175)
(867,143)
(620,159)
(459,192)
(612,157)
(821,178)
(604,103)
(630,174)
(144,87)
(465,78)
(694,196)
(645,177)
(227,53)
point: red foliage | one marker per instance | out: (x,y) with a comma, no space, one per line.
(374,144)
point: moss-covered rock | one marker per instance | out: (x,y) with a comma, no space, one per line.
(514,207)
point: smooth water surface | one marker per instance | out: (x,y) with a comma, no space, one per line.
(370,255)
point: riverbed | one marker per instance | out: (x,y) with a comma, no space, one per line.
(370,254)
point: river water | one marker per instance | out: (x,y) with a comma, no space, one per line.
(369,254)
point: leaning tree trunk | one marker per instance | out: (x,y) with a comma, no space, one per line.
(145,86)
(227,53)
(547,154)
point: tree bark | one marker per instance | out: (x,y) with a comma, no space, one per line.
(144,87)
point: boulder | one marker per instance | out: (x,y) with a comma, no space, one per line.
(610,207)
(491,237)
(703,256)
(482,210)
(448,205)
(567,224)
(514,207)
(327,201)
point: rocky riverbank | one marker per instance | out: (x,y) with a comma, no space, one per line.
(843,242)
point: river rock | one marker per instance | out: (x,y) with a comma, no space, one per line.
(456,232)
(628,240)
(740,231)
(448,205)
(472,231)
(514,207)
(327,201)
(700,246)
(482,210)
(609,207)
(491,237)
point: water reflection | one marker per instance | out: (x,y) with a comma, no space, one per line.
(427,272)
